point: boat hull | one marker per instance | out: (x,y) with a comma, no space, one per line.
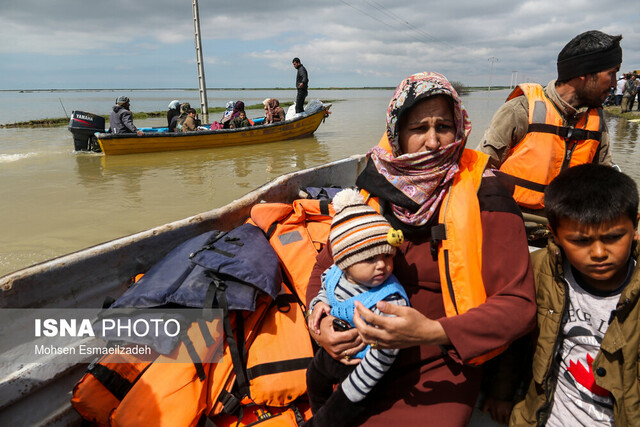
(116,144)
(38,393)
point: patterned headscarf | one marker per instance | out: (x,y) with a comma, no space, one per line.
(423,177)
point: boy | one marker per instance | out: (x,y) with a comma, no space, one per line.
(363,244)
(241,121)
(585,365)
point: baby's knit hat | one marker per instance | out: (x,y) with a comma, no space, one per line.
(357,231)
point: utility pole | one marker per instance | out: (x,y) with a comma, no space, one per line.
(202,86)
(492,60)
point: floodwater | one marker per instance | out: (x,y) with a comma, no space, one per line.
(54,201)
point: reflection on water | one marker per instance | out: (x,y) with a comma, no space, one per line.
(55,201)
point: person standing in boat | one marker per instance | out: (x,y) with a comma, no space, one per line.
(121,119)
(539,132)
(464,264)
(302,84)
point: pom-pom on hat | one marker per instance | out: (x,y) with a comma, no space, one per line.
(358,232)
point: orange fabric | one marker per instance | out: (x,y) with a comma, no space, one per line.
(223,377)
(460,214)
(167,392)
(279,416)
(539,157)
(282,337)
(93,401)
(301,232)
(170,393)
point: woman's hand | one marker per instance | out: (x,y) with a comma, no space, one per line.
(406,327)
(342,346)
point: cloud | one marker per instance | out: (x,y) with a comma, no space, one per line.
(342,42)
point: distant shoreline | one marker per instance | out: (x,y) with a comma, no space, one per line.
(189,89)
(469,88)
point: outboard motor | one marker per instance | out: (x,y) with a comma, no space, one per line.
(83,125)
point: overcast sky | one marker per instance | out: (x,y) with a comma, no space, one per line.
(248,43)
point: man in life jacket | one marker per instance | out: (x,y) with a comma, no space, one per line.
(539,132)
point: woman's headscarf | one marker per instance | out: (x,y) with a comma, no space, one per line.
(423,177)
(237,108)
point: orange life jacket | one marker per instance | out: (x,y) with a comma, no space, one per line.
(297,232)
(131,390)
(278,353)
(273,341)
(281,349)
(549,146)
(460,251)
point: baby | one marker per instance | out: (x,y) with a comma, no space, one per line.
(363,245)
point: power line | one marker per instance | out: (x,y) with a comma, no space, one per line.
(389,14)
(406,23)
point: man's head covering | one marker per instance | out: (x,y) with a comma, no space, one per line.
(174,105)
(358,232)
(121,100)
(595,60)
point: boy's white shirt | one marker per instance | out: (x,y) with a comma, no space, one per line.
(577,400)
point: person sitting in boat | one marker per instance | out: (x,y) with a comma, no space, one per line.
(363,245)
(173,111)
(191,122)
(240,122)
(464,264)
(121,119)
(540,131)
(177,121)
(273,112)
(237,108)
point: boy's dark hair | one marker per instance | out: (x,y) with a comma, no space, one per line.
(192,110)
(591,194)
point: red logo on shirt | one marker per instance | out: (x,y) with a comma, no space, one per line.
(585,377)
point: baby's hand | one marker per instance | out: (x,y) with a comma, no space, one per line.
(319,311)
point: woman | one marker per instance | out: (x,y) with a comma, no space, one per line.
(421,177)
(273,112)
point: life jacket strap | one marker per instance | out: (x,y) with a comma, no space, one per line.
(111,380)
(438,234)
(511,181)
(193,354)
(278,367)
(230,403)
(237,347)
(206,334)
(565,132)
